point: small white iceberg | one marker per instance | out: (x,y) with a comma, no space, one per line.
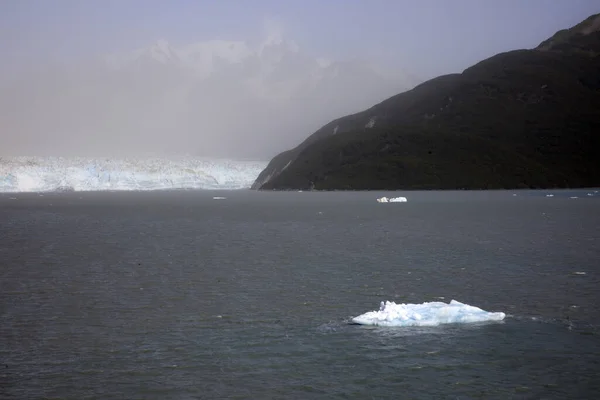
(426,314)
(392,200)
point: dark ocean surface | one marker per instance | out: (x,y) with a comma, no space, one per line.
(175,295)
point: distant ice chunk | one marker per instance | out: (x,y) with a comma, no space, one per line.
(426,314)
(392,200)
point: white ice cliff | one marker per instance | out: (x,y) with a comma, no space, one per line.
(426,314)
(42,174)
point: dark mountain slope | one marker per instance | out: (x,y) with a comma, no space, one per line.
(525,118)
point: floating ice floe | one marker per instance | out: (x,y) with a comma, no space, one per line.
(392,200)
(426,314)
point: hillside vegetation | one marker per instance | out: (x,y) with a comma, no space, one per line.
(521,119)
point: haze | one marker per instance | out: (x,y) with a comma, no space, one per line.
(233,79)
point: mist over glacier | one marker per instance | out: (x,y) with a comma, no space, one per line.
(214,98)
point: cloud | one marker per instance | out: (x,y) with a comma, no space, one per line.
(214,98)
(273,29)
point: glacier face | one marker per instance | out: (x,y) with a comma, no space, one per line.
(43,174)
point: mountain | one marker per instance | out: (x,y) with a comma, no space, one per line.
(520,119)
(215,98)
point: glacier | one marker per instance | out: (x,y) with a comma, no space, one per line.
(426,314)
(47,174)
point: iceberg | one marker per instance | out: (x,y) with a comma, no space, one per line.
(426,314)
(392,200)
(49,174)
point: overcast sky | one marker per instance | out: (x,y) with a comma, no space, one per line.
(428,37)
(258,109)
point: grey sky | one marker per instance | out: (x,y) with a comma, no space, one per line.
(241,98)
(430,37)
